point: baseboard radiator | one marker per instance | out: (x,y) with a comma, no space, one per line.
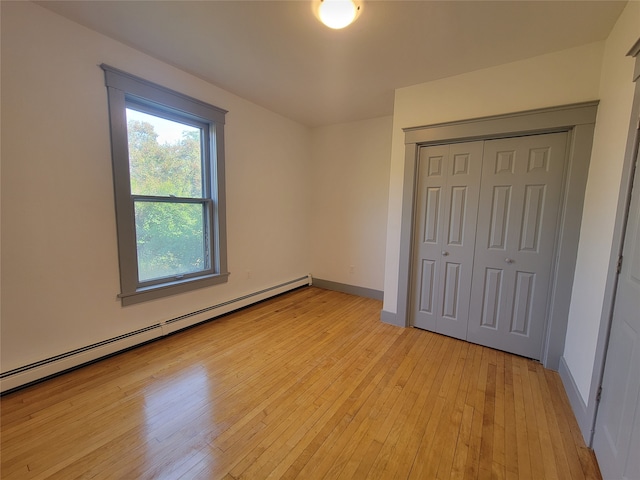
(38,371)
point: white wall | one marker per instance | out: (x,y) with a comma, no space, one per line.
(349,191)
(59,253)
(560,78)
(601,198)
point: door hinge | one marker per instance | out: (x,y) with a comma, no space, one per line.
(599,394)
(619,265)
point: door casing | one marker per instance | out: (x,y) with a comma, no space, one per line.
(586,413)
(578,120)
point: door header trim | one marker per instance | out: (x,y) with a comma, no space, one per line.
(542,120)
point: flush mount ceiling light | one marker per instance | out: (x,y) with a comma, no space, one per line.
(337,14)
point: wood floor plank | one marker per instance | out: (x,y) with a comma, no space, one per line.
(477,400)
(468,392)
(488,420)
(307,385)
(533,433)
(522,433)
(498,467)
(510,435)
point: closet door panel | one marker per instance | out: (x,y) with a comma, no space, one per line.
(517,221)
(429,224)
(446,213)
(460,215)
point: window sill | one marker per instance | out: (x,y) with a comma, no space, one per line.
(171,288)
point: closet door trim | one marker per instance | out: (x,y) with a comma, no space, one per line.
(579,121)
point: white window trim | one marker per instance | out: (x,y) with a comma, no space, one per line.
(123,87)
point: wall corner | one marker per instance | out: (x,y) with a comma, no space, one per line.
(580,409)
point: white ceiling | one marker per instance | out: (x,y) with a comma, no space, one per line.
(276,53)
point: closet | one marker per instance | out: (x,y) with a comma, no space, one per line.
(486,221)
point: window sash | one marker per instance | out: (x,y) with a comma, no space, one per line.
(207,238)
(207,136)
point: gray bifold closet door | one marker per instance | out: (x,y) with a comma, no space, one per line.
(485,239)
(447,196)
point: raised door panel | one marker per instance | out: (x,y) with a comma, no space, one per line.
(517,218)
(491,298)
(431,214)
(427,287)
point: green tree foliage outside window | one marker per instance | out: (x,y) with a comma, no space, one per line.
(170,235)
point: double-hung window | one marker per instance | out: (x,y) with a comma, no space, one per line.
(168,169)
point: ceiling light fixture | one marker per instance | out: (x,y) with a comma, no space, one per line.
(337,14)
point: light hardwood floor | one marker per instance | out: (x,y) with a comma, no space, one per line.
(308,385)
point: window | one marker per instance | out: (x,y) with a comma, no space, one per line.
(168,170)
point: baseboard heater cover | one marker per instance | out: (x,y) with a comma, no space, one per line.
(37,371)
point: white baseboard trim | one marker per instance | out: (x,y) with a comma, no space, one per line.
(37,371)
(579,407)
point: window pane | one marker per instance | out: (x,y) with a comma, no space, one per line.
(165,156)
(170,239)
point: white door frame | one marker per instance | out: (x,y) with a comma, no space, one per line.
(579,121)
